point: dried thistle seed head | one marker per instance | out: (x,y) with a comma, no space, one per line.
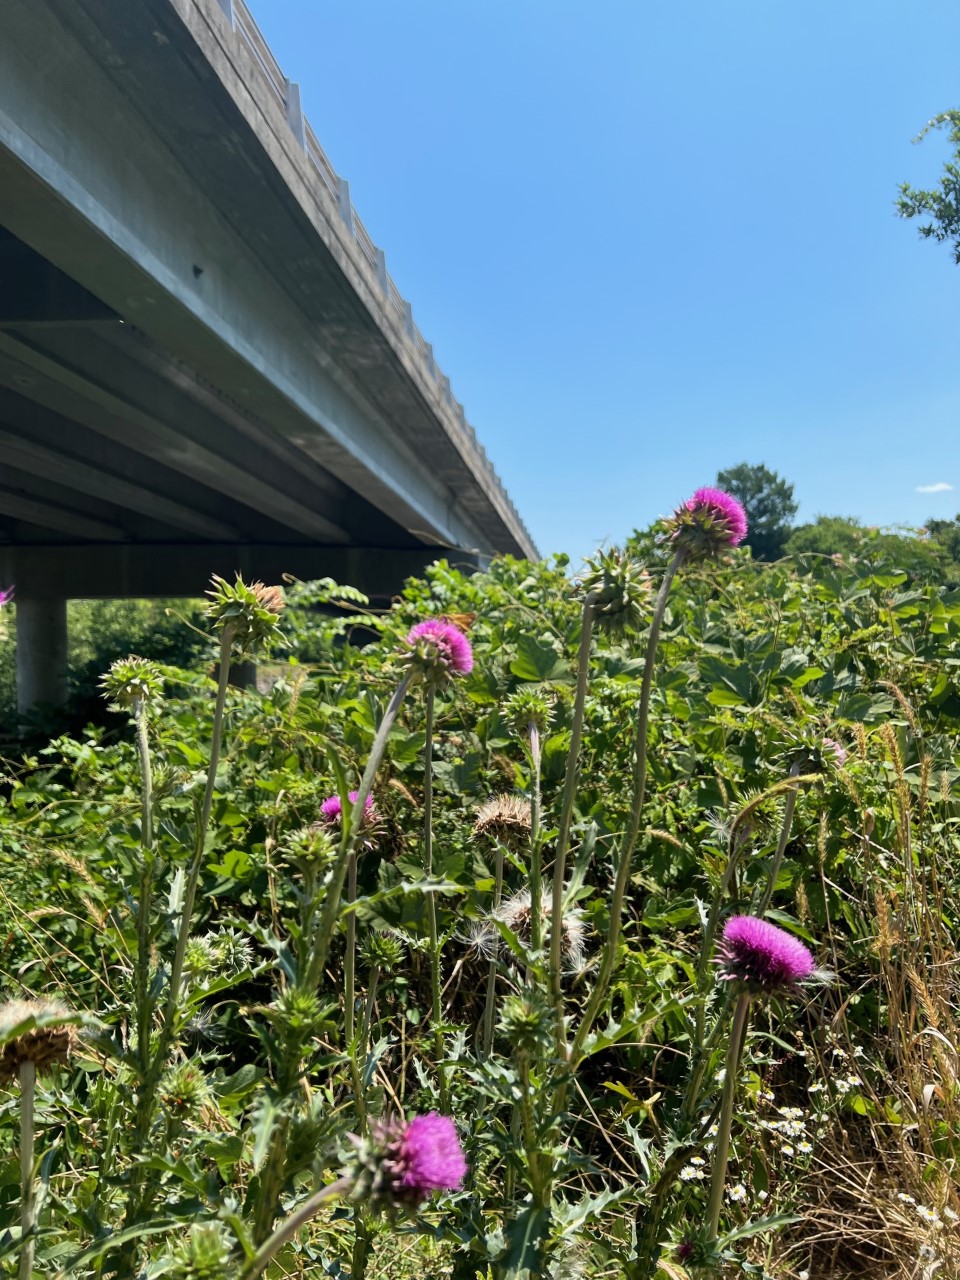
(403,1163)
(503,817)
(249,612)
(131,680)
(707,524)
(528,708)
(526,1020)
(517,914)
(39,1031)
(620,588)
(185,1093)
(204,1255)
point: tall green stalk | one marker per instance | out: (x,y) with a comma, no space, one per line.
(288,1229)
(143,999)
(28,1190)
(609,956)
(536,885)
(566,815)
(436,1011)
(491,999)
(721,1151)
(788,812)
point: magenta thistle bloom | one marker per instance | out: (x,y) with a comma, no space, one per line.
(440,648)
(834,749)
(708,523)
(331,809)
(405,1162)
(761,956)
(6,596)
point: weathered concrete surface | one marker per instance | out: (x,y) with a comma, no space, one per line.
(142,154)
(41,652)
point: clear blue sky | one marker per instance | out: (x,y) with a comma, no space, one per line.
(649,240)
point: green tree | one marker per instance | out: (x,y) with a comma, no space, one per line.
(826,536)
(942,204)
(768,501)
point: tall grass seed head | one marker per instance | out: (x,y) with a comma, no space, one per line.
(47,1040)
(707,524)
(620,588)
(763,958)
(439,650)
(251,612)
(403,1163)
(131,680)
(505,818)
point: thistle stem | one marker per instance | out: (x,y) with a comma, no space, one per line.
(788,812)
(288,1229)
(436,1012)
(490,1006)
(566,814)
(143,1001)
(28,1200)
(609,956)
(738,1034)
(350,835)
(536,885)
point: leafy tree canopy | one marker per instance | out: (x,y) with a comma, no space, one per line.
(768,501)
(942,204)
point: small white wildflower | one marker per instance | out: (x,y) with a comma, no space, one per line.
(928,1215)
(737,1193)
(788,1150)
(805,1147)
(803,1275)
(765,1095)
(815,1088)
(949,1214)
(713,1130)
(697,1161)
(859,1051)
(690,1173)
(907,1199)
(721,1075)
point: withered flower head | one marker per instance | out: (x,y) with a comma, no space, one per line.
(249,612)
(504,817)
(39,1031)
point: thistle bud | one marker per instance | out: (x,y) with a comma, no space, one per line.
(311,847)
(131,680)
(620,589)
(204,1255)
(250,612)
(526,1021)
(527,708)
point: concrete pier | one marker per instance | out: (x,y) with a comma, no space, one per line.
(41,652)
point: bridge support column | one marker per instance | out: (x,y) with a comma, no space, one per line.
(41,652)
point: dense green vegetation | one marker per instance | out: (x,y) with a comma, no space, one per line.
(805,722)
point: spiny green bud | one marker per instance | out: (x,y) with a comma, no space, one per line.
(184,1092)
(198,959)
(382,950)
(231,950)
(527,708)
(250,612)
(131,680)
(204,1255)
(620,588)
(526,1021)
(297,1014)
(313,846)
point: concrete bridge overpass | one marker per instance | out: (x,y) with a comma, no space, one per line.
(205,364)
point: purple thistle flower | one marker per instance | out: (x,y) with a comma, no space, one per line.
(331,809)
(724,509)
(441,647)
(834,749)
(761,956)
(6,596)
(403,1163)
(708,523)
